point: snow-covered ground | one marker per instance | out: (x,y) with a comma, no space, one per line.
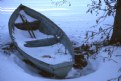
(75,22)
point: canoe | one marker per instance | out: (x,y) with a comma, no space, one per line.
(41,41)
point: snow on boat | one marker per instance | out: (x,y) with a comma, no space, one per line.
(41,41)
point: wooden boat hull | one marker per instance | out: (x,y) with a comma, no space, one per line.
(59,70)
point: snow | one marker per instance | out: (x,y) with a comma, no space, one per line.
(75,22)
(29,19)
(48,54)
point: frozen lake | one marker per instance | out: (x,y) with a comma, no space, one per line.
(74,21)
(63,15)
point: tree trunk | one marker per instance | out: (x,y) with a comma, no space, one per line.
(116,36)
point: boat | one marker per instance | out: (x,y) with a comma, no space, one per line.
(41,41)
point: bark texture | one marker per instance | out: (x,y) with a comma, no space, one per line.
(116,36)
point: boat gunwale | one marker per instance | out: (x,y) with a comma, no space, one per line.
(11,29)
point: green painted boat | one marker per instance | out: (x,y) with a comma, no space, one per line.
(37,39)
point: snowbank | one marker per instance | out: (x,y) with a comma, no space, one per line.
(74,22)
